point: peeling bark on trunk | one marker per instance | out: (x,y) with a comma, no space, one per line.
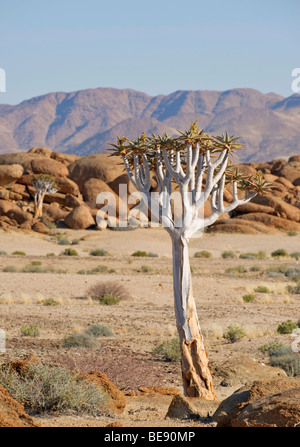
(197,379)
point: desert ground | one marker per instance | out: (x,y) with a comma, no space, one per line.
(146,318)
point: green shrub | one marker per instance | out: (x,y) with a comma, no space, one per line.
(75,241)
(146,269)
(64,241)
(202,254)
(150,254)
(260,255)
(140,254)
(235,272)
(248,298)
(109,300)
(49,255)
(295,255)
(2,252)
(280,252)
(255,268)
(48,389)
(234,333)
(50,302)
(100,269)
(270,347)
(36,263)
(286,327)
(228,254)
(30,331)
(103,289)
(99,252)
(70,252)
(261,289)
(35,269)
(294,290)
(169,350)
(292,233)
(80,341)
(287,359)
(19,253)
(99,330)
(10,269)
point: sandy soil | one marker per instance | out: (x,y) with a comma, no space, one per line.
(146,318)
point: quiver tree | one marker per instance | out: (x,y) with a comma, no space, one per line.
(199,165)
(43,184)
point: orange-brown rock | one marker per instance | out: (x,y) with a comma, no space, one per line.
(99,166)
(117,397)
(12,413)
(40,227)
(54,211)
(79,218)
(43,151)
(21,365)
(265,403)
(66,159)
(273,221)
(243,226)
(93,187)
(66,186)
(281,208)
(49,166)
(285,182)
(252,207)
(290,171)
(9,174)
(72,201)
(13,211)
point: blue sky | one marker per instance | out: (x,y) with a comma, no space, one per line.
(156,46)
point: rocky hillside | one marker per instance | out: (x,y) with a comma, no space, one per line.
(83,122)
(81,179)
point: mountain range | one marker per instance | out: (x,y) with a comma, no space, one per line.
(83,122)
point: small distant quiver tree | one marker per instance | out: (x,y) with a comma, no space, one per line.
(199,165)
(43,184)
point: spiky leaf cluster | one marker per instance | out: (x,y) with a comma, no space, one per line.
(45,183)
(194,138)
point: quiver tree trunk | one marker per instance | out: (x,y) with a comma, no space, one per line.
(196,375)
(38,204)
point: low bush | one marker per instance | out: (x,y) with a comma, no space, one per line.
(80,340)
(255,268)
(50,302)
(48,389)
(260,255)
(70,252)
(2,253)
(99,330)
(294,290)
(280,252)
(10,269)
(261,289)
(249,298)
(146,269)
(234,333)
(103,289)
(295,255)
(287,359)
(64,241)
(228,254)
(140,254)
(35,269)
(286,327)
(19,253)
(30,331)
(169,350)
(99,252)
(203,254)
(109,300)
(270,347)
